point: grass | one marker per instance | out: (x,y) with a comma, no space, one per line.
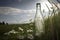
(6,28)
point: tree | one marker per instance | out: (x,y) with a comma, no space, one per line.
(3,23)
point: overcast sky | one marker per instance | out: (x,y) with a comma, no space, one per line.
(17,11)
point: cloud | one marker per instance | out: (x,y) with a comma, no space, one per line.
(7,10)
(19,0)
(14,11)
(14,15)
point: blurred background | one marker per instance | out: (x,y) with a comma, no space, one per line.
(29,19)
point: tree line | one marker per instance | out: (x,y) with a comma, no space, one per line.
(3,23)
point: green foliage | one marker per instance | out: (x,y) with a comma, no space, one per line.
(13,36)
(52,27)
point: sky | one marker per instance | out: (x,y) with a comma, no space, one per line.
(18,11)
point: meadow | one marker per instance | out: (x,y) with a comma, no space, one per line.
(16,31)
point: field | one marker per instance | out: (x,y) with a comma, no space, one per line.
(16,31)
